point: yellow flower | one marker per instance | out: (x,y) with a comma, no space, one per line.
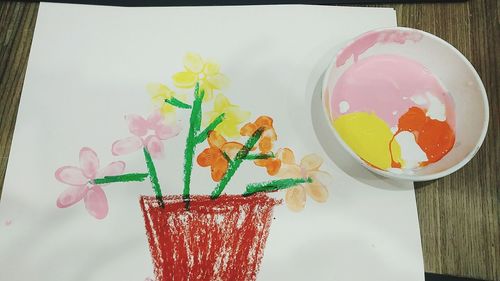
(197,70)
(159,93)
(295,197)
(233,116)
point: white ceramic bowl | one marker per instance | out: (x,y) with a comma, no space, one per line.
(455,73)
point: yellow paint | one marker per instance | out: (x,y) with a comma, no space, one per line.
(198,70)
(233,117)
(369,137)
(159,93)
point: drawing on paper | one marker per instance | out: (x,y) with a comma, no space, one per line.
(216,236)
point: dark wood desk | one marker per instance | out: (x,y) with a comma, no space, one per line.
(459,214)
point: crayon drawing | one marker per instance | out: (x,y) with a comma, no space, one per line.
(215,236)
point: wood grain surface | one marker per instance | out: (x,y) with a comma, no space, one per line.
(459,214)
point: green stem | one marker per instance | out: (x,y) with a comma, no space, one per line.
(259,156)
(121,178)
(275,185)
(177,103)
(201,137)
(153,177)
(191,141)
(228,159)
(235,164)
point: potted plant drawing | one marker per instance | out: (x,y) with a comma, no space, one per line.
(215,236)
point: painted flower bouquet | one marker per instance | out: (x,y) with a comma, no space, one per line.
(201,237)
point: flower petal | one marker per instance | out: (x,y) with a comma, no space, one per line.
(113,169)
(89,162)
(311,162)
(208,156)
(159,92)
(71,175)
(295,198)
(322,177)
(317,191)
(96,202)
(236,114)
(185,79)
(272,165)
(155,147)
(261,162)
(286,155)
(182,97)
(248,129)
(211,68)
(168,113)
(193,62)
(215,139)
(289,171)
(228,129)
(154,120)
(233,116)
(221,102)
(265,144)
(270,133)
(127,145)
(208,90)
(232,148)
(219,168)
(137,125)
(264,121)
(208,117)
(71,196)
(167,131)
(217,81)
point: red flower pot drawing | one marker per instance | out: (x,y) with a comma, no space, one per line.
(216,239)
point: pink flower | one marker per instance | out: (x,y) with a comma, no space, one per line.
(82,186)
(140,127)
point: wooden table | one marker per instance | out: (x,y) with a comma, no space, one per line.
(459,214)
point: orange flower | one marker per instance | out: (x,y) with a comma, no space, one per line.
(215,155)
(268,136)
(273,165)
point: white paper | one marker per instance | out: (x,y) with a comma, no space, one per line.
(89,66)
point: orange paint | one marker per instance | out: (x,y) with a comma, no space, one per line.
(413,120)
(394,164)
(272,165)
(435,138)
(215,155)
(268,135)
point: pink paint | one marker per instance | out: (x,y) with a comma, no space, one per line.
(140,127)
(368,40)
(385,85)
(8,222)
(80,183)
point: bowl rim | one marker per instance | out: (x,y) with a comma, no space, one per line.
(410,177)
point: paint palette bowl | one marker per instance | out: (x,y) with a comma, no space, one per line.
(405,104)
